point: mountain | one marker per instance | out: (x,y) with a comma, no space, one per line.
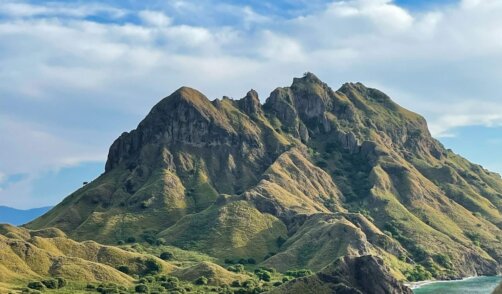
(18,217)
(309,178)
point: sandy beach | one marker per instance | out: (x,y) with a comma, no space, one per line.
(415,285)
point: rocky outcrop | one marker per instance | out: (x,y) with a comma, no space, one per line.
(251,104)
(498,290)
(351,275)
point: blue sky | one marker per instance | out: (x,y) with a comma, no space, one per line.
(76,74)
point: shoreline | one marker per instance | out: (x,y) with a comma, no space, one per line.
(416,285)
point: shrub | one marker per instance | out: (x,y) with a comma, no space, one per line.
(120,242)
(251,261)
(268,269)
(152,267)
(90,287)
(124,268)
(201,281)
(299,273)
(161,278)
(280,241)
(131,240)
(109,290)
(286,279)
(236,284)
(443,260)
(243,261)
(238,268)
(141,288)
(277,284)
(36,285)
(249,284)
(170,285)
(418,273)
(263,275)
(475,238)
(166,255)
(50,283)
(229,261)
(61,282)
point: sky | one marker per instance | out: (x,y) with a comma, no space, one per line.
(74,75)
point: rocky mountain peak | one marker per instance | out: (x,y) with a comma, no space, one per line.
(250,104)
(235,179)
(308,77)
(307,98)
(185,117)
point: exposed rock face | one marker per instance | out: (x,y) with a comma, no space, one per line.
(366,273)
(498,290)
(351,275)
(251,104)
(330,236)
(350,167)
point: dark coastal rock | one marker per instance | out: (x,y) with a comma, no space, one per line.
(358,275)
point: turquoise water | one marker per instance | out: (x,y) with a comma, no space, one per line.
(478,285)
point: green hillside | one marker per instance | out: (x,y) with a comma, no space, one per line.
(310,176)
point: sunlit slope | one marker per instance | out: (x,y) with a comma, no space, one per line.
(238,179)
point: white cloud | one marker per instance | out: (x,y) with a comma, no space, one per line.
(155,18)
(383,15)
(19,195)
(30,149)
(20,9)
(61,69)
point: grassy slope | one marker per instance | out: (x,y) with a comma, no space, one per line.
(36,255)
(234,230)
(426,200)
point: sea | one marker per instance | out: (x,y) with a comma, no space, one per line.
(474,285)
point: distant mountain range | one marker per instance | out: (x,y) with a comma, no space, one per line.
(18,217)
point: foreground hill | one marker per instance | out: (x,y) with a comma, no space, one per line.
(19,217)
(309,177)
(44,254)
(47,260)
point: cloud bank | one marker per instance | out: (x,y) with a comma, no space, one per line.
(74,75)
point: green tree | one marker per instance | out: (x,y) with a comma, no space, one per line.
(141,288)
(166,255)
(36,285)
(152,267)
(61,282)
(124,268)
(50,283)
(201,281)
